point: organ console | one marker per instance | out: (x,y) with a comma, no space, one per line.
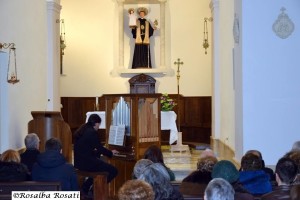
(140,113)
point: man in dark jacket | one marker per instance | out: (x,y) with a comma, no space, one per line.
(87,151)
(52,166)
(286,171)
(32,143)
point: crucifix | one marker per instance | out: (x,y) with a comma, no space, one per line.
(178,63)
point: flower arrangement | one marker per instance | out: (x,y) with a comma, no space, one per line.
(167,103)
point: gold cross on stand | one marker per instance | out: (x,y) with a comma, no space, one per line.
(178,63)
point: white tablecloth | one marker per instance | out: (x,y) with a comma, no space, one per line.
(168,122)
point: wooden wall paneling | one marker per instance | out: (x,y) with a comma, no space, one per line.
(180,104)
(75,108)
(195,116)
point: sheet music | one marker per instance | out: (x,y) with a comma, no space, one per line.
(116,135)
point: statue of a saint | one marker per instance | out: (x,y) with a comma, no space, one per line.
(142,33)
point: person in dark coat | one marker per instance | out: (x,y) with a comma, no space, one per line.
(87,151)
(196,182)
(227,170)
(52,166)
(28,157)
(10,167)
(286,171)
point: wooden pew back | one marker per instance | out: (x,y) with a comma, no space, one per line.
(7,187)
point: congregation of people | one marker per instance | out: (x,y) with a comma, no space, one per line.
(217,179)
(213,179)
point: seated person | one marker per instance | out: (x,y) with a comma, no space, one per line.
(252,177)
(155,175)
(266,169)
(87,151)
(207,152)
(218,189)
(295,156)
(154,154)
(28,157)
(286,171)
(52,166)
(196,182)
(140,166)
(137,190)
(11,168)
(227,170)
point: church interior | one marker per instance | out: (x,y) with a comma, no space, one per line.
(231,68)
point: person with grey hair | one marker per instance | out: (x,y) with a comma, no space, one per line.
(140,167)
(157,178)
(219,189)
(32,143)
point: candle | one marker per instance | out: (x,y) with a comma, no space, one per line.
(96,101)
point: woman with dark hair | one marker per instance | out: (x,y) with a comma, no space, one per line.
(154,154)
(253,177)
(87,151)
(266,169)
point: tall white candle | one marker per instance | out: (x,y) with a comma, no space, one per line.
(96,100)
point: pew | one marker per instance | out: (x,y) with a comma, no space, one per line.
(176,186)
(100,185)
(7,187)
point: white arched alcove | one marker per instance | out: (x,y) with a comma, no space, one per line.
(125,42)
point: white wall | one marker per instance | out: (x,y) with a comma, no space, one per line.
(270,92)
(20,24)
(89,57)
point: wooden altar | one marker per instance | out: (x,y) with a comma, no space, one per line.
(140,113)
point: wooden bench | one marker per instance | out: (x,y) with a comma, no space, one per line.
(100,186)
(176,186)
(7,187)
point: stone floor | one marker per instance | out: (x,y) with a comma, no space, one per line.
(183,163)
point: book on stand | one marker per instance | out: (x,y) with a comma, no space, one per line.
(116,135)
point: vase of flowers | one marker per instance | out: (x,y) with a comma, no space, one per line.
(167,104)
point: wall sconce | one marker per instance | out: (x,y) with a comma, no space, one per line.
(62,42)
(12,76)
(205,34)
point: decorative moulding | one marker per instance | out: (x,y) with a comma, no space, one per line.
(283,27)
